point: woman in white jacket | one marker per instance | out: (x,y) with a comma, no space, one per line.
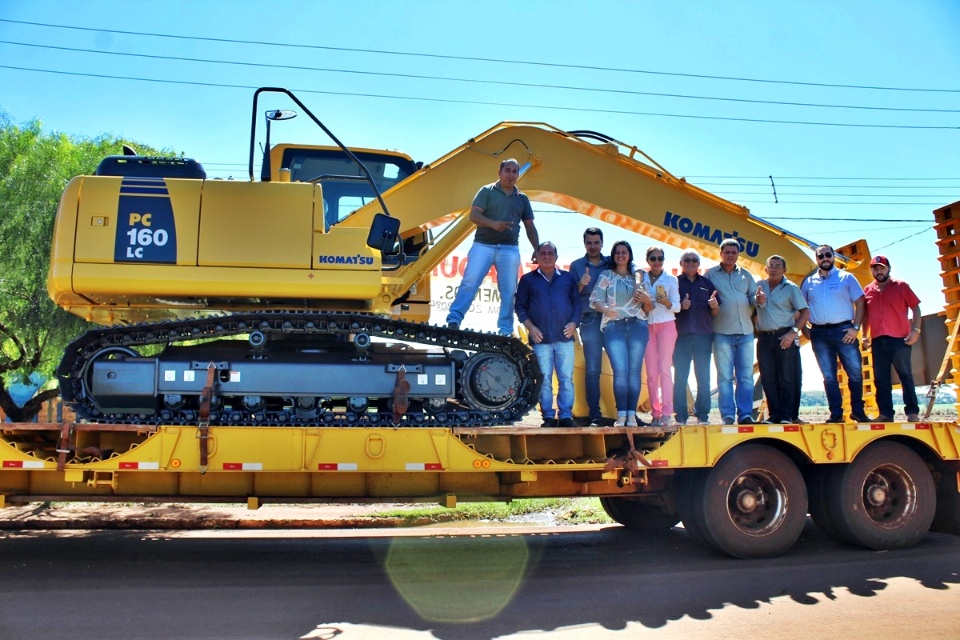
(658,358)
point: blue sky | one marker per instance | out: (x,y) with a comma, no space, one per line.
(424,77)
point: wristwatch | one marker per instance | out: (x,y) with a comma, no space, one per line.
(857,327)
(795,329)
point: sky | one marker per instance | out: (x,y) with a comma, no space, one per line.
(702,87)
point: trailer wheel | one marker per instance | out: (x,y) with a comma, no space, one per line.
(817,483)
(754,503)
(689,487)
(947,519)
(642,516)
(884,499)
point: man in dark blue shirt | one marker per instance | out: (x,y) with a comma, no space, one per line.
(548,305)
(694,338)
(586,271)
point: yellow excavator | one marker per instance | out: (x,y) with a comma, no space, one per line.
(300,298)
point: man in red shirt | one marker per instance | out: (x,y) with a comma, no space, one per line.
(888,333)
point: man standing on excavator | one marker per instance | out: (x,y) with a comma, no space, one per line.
(498,209)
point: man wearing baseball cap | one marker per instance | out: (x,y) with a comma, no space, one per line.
(889,334)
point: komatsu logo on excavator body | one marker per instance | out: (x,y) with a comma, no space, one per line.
(704,232)
(357,259)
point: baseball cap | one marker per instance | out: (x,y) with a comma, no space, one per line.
(880,260)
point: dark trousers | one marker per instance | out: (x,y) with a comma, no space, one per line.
(780,376)
(889,351)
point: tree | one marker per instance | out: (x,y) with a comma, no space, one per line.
(34,169)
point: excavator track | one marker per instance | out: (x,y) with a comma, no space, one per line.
(496,379)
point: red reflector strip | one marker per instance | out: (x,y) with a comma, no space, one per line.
(243,466)
(21,464)
(744,429)
(140,465)
(918,426)
(659,463)
(791,428)
(423,466)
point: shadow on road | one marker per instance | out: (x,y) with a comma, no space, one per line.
(451,586)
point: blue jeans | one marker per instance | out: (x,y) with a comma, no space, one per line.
(733,355)
(889,351)
(695,347)
(828,345)
(556,357)
(592,339)
(506,259)
(625,342)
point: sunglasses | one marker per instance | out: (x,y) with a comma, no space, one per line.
(821,256)
(655,259)
(691,260)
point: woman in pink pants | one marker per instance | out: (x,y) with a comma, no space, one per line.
(658,359)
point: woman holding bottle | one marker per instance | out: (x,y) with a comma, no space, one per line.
(621,298)
(661,322)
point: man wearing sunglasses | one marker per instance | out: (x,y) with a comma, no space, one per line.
(694,338)
(836,306)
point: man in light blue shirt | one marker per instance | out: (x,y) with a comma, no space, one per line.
(733,333)
(836,306)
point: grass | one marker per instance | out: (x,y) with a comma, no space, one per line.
(561,510)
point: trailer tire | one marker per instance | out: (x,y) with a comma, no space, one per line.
(818,495)
(689,492)
(640,516)
(884,499)
(754,502)
(947,519)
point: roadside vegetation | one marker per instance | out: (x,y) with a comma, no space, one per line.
(549,510)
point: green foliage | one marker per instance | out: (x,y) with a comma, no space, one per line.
(35,166)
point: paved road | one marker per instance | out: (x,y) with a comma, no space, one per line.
(568,582)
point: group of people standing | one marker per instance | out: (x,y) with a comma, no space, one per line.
(654,318)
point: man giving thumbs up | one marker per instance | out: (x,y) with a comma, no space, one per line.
(698,304)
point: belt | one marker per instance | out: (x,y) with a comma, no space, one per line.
(781,330)
(835,325)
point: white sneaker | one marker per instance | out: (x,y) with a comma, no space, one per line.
(631,421)
(621,421)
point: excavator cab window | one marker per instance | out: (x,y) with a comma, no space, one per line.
(344,185)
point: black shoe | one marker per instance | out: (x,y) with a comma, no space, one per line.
(550,422)
(728,421)
(747,420)
(453,325)
(883,418)
(835,420)
(596,422)
(859,417)
(565,423)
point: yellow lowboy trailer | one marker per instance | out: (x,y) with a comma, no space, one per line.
(744,489)
(267,344)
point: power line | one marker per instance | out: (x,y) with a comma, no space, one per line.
(513,62)
(824,186)
(530,85)
(819,178)
(859,125)
(832,195)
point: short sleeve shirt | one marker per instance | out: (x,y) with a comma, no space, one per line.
(887,308)
(831,298)
(782,304)
(737,291)
(501,206)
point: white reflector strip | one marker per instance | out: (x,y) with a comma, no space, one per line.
(424,466)
(22,464)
